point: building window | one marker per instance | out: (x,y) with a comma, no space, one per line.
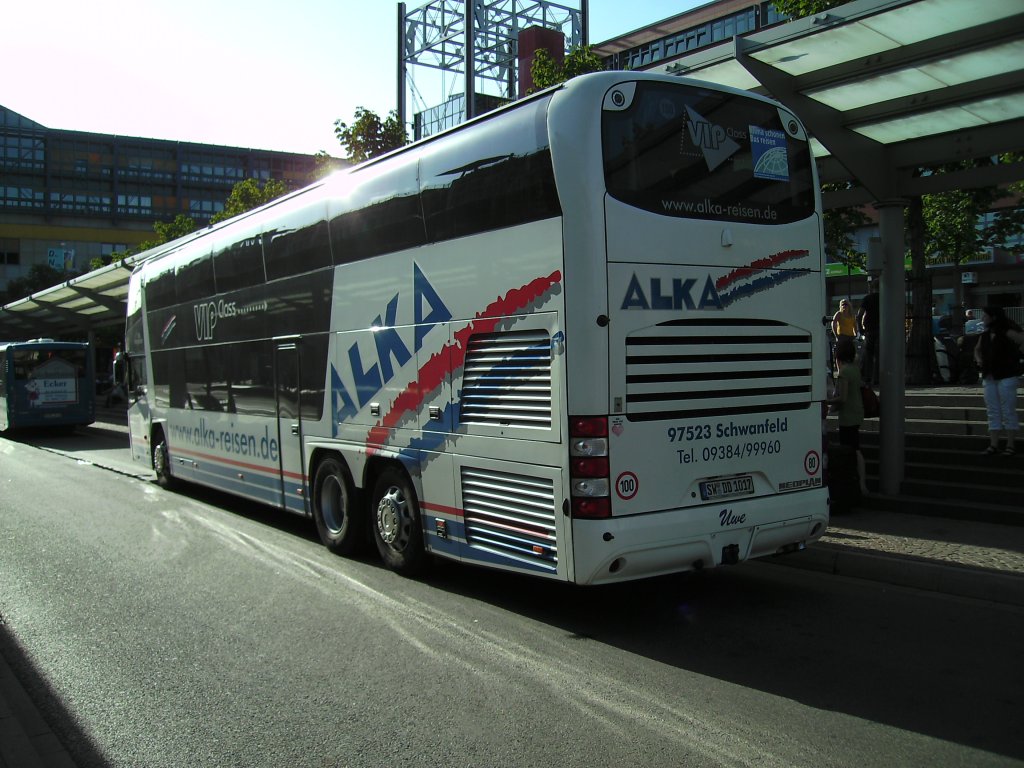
(21,153)
(9,252)
(20,197)
(135,205)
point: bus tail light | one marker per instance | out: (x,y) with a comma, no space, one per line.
(589,468)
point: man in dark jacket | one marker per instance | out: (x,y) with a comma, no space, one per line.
(867,324)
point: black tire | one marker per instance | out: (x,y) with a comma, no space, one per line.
(162,462)
(396,522)
(339,520)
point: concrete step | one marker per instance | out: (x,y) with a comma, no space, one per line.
(954,509)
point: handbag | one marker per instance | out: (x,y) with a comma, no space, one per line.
(872,407)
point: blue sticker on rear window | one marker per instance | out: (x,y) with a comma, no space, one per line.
(769,150)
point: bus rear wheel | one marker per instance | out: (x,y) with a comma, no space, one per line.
(335,508)
(397,526)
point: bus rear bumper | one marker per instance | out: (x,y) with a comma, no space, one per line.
(642,546)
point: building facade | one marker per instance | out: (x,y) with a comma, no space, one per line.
(68,197)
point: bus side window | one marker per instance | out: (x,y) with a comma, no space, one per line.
(298,243)
(382,215)
(238,262)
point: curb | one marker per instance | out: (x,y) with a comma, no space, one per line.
(26,740)
(908,571)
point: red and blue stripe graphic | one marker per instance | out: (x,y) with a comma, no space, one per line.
(759,276)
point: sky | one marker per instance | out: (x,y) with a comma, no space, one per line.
(262,74)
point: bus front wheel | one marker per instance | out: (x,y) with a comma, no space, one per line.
(397,526)
(335,508)
(162,462)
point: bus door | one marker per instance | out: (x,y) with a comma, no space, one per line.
(289,428)
(139,414)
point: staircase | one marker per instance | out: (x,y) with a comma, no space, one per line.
(945,472)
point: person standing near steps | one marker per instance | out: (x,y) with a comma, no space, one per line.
(848,404)
(998,353)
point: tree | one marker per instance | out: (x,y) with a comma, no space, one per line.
(547,72)
(369,136)
(246,195)
(839,223)
(324,165)
(797,9)
(167,231)
(39,278)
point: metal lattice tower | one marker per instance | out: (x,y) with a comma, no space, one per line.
(435,36)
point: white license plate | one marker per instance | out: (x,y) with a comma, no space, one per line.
(723,489)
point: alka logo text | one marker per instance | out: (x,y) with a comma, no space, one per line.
(208,314)
(389,352)
(676,293)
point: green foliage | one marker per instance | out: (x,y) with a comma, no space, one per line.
(245,196)
(325,165)
(953,228)
(797,9)
(839,225)
(369,136)
(578,61)
(39,278)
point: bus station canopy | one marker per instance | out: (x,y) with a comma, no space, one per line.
(885,87)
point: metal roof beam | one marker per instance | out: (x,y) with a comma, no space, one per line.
(111,303)
(870,159)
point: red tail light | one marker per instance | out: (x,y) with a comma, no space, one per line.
(589,467)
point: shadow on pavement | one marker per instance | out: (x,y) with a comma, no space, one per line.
(48,705)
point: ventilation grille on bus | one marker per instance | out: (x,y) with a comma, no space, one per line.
(507,380)
(510,515)
(697,368)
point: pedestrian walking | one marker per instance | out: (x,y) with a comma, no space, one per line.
(998,354)
(869,326)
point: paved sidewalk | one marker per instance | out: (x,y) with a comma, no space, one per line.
(939,554)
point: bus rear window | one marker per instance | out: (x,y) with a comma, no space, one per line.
(680,150)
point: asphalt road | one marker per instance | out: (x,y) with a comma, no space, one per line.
(190,629)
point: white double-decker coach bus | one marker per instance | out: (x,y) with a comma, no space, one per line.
(580,337)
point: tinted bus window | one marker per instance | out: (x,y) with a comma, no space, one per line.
(467,189)
(238,263)
(193,278)
(381,215)
(160,291)
(298,243)
(683,151)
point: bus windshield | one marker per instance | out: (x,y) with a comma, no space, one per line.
(691,152)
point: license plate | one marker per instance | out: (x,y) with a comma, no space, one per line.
(723,489)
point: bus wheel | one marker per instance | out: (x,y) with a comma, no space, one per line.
(397,528)
(335,508)
(162,462)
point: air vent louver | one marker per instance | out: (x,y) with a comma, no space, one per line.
(507,380)
(701,368)
(510,515)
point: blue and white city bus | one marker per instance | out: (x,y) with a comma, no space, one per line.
(46,383)
(577,338)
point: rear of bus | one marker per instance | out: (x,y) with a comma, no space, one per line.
(694,296)
(47,384)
